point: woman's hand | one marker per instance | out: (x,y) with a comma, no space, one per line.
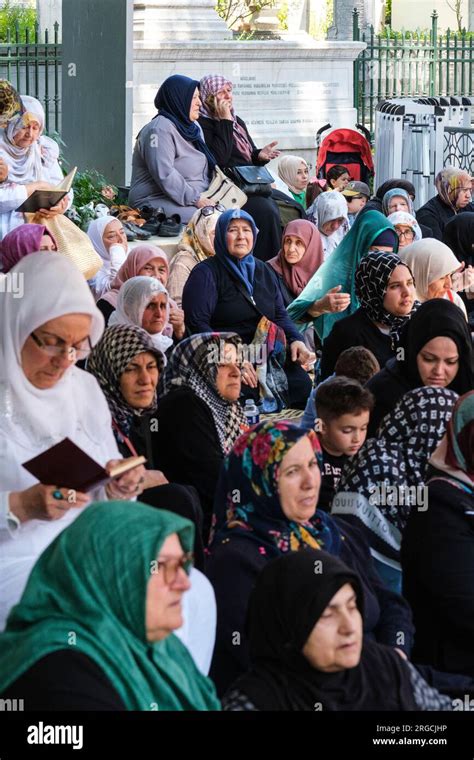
(60,208)
(177,322)
(38,502)
(223,109)
(299,352)
(331,303)
(249,375)
(154,478)
(128,485)
(269,152)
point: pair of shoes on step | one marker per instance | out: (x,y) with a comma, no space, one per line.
(157,223)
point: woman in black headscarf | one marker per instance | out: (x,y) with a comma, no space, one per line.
(307,650)
(435,349)
(172,165)
(458,234)
(386,291)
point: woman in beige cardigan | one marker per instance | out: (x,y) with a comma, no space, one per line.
(196,245)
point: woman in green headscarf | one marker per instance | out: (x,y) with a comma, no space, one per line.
(93,629)
(370,232)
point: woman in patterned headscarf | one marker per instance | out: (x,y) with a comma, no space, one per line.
(454,196)
(438,547)
(386,293)
(127,366)
(199,415)
(385,480)
(265,506)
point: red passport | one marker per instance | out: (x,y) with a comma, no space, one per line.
(65,465)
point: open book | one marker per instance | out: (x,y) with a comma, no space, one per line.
(47,198)
(65,465)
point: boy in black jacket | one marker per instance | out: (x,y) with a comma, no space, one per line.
(343,409)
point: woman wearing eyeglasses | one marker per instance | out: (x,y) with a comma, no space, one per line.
(454,196)
(434,266)
(196,245)
(96,626)
(44,399)
(406,227)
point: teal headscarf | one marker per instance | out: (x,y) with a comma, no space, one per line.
(339,269)
(88,590)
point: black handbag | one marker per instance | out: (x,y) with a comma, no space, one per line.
(252,180)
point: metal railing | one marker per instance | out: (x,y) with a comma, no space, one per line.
(32,63)
(410,65)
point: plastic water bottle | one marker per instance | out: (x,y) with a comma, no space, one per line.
(251,412)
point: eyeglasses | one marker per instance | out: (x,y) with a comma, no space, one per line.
(407,234)
(60,348)
(209,210)
(172,566)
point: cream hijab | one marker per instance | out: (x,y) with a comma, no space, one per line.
(288,171)
(53,287)
(429,260)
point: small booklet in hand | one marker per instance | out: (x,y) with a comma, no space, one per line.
(47,198)
(65,465)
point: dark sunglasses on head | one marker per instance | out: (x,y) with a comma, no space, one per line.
(209,210)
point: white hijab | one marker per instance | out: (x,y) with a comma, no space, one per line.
(429,260)
(134,296)
(26,164)
(96,231)
(53,287)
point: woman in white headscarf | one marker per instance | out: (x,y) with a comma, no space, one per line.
(44,399)
(406,227)
(144,302)
(32,160)
(433,265)
(329,214)
(108,237)
(294,173)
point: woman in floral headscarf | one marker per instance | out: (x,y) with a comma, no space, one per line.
(454,188)
(32,161)
(265,506)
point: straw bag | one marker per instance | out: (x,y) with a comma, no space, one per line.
(72,242)
(222,190)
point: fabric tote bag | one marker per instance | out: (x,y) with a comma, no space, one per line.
(222,190)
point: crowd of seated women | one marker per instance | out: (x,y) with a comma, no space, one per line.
(274,566)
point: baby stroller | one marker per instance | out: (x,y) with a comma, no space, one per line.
(345,147)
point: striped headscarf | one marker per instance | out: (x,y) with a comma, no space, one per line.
(194,364)
(118,346)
